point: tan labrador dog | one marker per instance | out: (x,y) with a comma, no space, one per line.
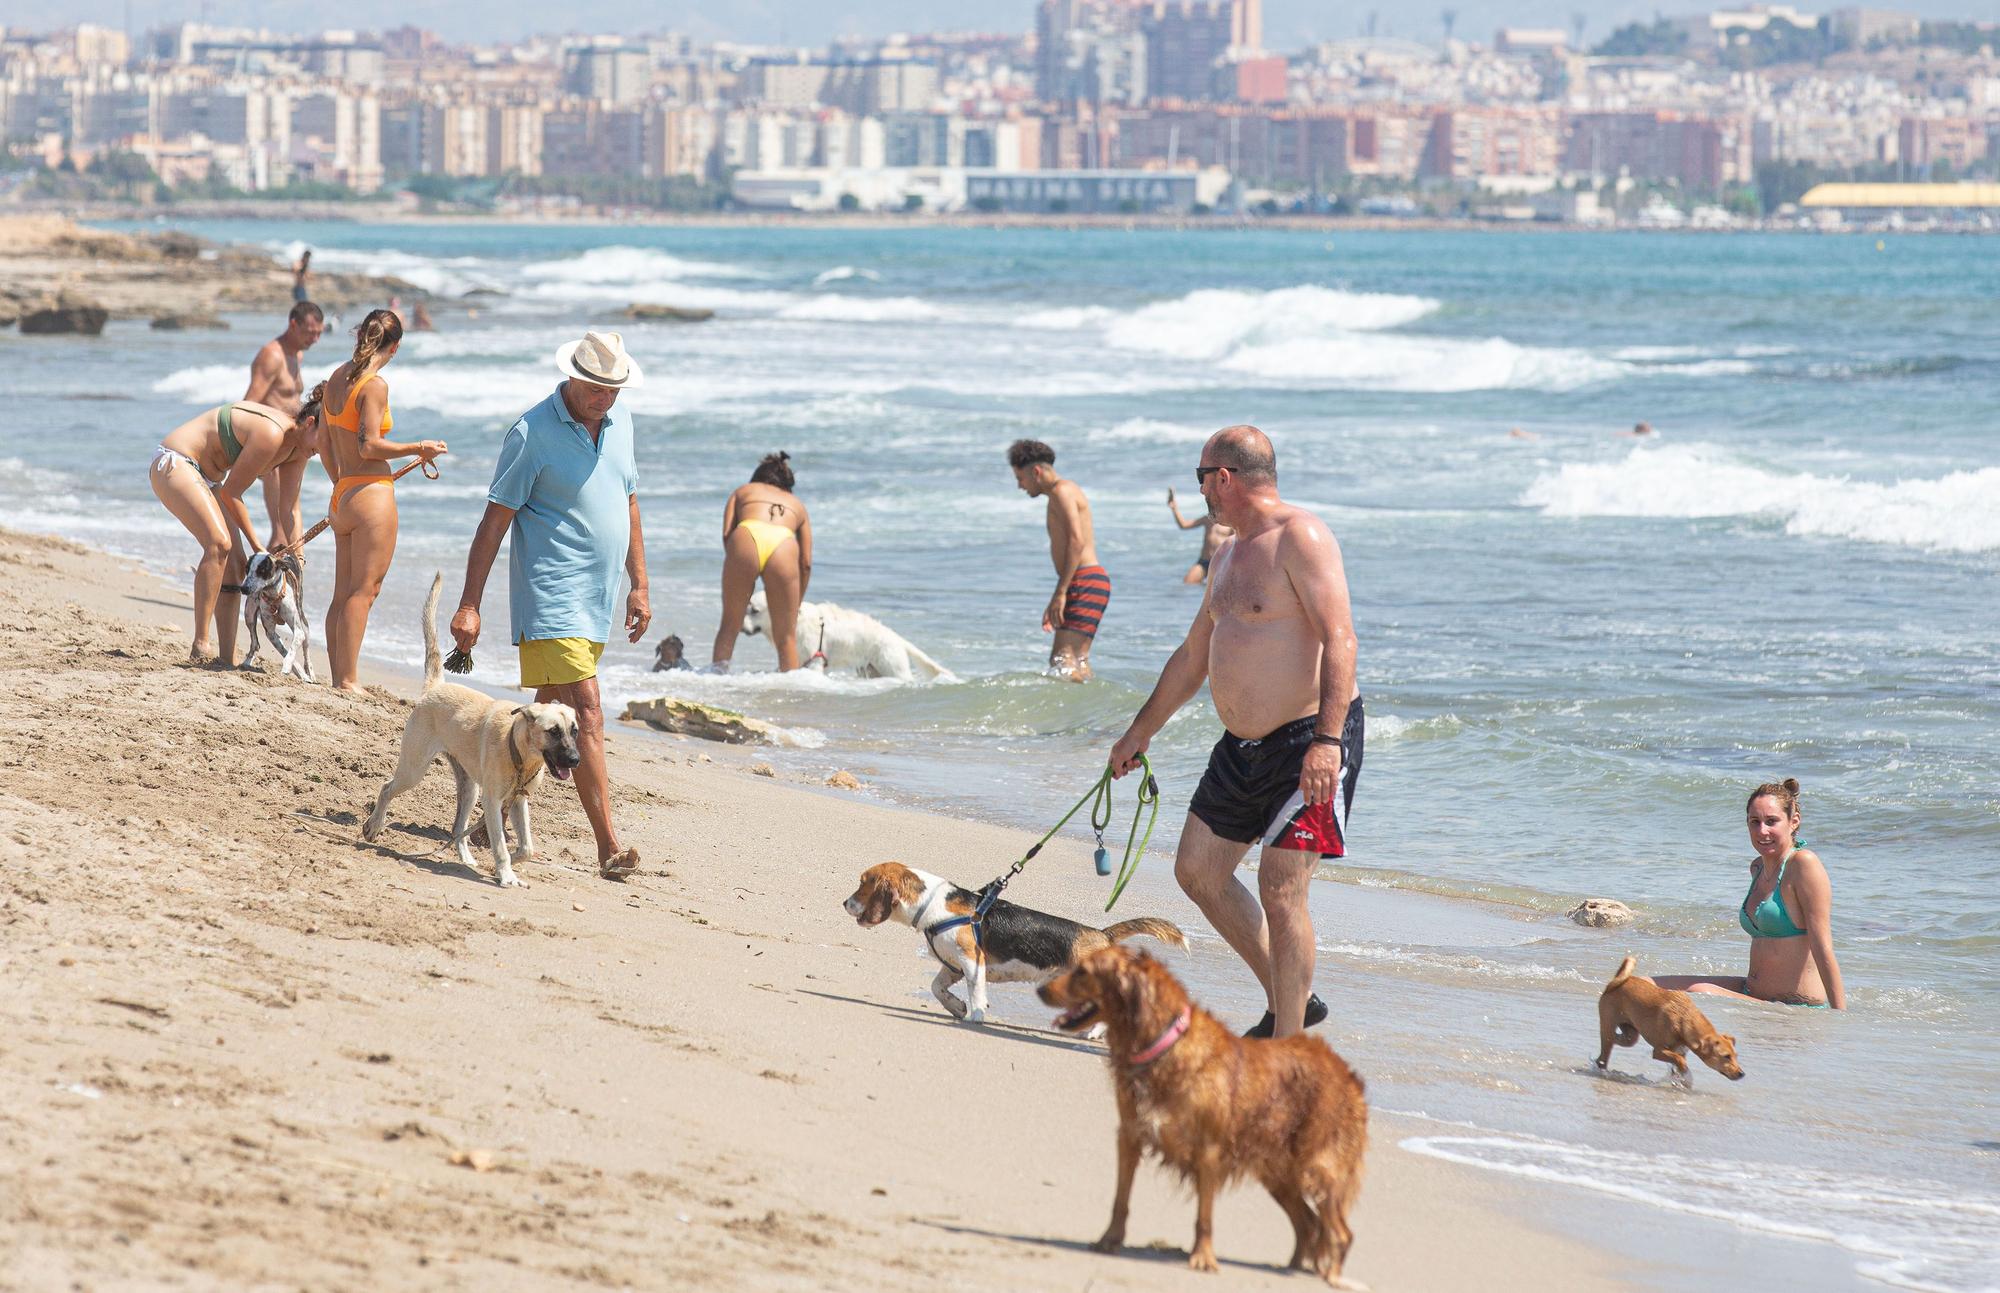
(497,752)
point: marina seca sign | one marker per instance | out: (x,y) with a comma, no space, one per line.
(1084,191)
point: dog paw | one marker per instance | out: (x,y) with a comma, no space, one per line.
(370,829)
(974,1016)
(508,880)
(1203,1259)
(1109,1242)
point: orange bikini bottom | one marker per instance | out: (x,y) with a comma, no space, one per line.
(348,484)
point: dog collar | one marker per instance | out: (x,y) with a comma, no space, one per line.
(1175,1031)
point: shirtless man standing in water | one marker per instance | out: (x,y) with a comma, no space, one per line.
(1083,589)
(1275,641)
(275,380)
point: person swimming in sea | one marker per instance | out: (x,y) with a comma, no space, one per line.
(766,534)
(1788,914)
(1213,535)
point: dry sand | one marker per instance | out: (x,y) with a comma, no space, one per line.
(243,1050)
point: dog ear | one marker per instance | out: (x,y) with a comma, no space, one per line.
(879,905)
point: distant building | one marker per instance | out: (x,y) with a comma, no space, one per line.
(1700,154)
(1185,41)
(1713,28)
(1530,40)
(863,86)
(613,74)
(1925,142)
(1860,28)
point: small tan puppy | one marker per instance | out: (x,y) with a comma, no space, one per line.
(1632,1007)
(496,751)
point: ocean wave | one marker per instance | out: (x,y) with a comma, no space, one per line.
(1068,318)
(840,272)
(1911,1233)
(1214,322)
(1152,431)
(628,265)
(1391,727)
(203,384)
(1440,365)
(862,309)
(1959,512)
(438,275)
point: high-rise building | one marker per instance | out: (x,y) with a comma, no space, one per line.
(614,74)
(1090,51)
(1185,41)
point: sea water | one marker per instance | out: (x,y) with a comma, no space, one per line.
(1579,649)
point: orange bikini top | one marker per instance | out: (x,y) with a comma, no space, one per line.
(349,418)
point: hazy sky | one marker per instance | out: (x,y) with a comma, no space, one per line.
(1287,23)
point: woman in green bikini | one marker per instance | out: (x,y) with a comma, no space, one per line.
(199,471)
(1787,913)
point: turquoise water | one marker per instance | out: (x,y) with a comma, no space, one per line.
(1579,650)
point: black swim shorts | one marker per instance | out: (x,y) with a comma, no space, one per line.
(1250,793)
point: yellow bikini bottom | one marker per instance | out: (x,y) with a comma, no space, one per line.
(768,537)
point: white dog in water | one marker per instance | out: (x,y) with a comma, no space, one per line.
(844,639)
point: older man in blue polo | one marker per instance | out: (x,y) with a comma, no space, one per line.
(565,492)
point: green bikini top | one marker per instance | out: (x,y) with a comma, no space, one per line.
(1770,919)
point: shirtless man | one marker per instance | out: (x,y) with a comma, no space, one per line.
(1275,640)
(275,380)
(1213,532)
(1082,588)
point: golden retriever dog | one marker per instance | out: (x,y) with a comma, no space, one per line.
(1216,1107)
(1631,1007)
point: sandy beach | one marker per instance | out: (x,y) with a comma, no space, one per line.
(246,1051)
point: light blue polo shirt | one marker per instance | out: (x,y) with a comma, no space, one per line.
(572,521)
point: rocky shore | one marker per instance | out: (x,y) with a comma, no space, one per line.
(56,276)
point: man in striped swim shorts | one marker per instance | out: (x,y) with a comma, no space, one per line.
(1083,589)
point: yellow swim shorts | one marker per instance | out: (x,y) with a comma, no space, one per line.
(551,662)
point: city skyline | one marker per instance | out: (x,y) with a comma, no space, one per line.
(1288,24)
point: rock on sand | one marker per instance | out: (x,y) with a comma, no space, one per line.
(1601,913)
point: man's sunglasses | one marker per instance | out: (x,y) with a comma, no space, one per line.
(1201,474)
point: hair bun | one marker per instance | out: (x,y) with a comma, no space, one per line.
(1792,784)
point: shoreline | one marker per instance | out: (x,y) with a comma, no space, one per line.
(366,213)
(705,1078)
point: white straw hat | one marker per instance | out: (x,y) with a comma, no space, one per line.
(599,359)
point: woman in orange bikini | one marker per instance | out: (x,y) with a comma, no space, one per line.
(363,510)
(765,533)
(200,471)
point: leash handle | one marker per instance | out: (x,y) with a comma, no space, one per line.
(319,526)
(1147,807)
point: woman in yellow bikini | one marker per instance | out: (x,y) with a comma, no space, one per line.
(765,534)
(200,471)
(363,510)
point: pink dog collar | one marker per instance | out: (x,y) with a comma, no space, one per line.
(1167,1039)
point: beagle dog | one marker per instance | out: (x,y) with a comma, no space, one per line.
(1012,945)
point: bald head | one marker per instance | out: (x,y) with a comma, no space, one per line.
(1246,451)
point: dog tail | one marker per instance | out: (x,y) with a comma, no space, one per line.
(926,664)
(433,664)
(1149,926)
(1624,972)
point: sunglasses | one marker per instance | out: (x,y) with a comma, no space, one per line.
(1201,474)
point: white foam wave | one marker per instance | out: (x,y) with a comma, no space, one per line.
(839,272)
(1067,318)
(1914,1234)
(860,309)
(1389,362)
(629,265)
(1152,431)
(440,275)
(205,384)
(1959,512)
(1210,323)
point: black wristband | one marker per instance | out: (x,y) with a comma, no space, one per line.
(1321,738)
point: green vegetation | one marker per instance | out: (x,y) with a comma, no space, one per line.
(1636,38)
(1965,37)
